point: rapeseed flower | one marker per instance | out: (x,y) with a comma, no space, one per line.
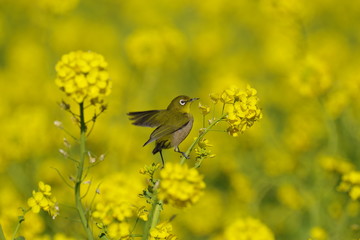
(202,151)
(119,230)
(350,183)
(83,76)
(336,164)
(117,203)
(180,186)
(248,229)
(204,109)
(242,109)
(162,231)
(318,233)
(42,199)
(62,236)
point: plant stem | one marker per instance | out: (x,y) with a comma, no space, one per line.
(79,176)
(21,219)
(202,134)
(153,218)
(156,216)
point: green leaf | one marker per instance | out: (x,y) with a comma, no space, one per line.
(20,238)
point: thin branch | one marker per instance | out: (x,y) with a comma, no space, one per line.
(87,190)
(62,177)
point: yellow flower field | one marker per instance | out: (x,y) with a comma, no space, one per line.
(273,152)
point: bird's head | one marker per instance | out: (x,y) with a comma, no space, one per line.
(181,103)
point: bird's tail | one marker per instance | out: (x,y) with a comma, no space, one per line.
(144,118)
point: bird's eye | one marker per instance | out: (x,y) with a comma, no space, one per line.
(182,102)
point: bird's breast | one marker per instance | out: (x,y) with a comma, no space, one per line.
(179,135)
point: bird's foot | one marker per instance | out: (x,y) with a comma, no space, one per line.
(182,153)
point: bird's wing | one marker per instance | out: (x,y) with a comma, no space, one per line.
(176,122)
(145,118)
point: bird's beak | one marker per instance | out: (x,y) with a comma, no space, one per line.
(193,99)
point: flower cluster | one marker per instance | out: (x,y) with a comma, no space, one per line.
(119,230)
(318,233)
(204,109)
(180,185)
(336,164)
(241,107)
(83,75)
(162,231)
(248,229)
(350,183)
(202,151)
(42,199)
(117,204)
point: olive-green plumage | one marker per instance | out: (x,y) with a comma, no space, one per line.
(172,125)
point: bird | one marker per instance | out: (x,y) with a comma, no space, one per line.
(172,125)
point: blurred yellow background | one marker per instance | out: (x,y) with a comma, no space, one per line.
(301,56)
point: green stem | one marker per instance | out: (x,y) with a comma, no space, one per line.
(21,219)
(79,206)
(202,134)
(156,216)
(153,218)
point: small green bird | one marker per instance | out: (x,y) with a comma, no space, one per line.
(173,124)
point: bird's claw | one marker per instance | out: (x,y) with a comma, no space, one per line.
(184,155)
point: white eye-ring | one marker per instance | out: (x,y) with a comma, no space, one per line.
(182,102)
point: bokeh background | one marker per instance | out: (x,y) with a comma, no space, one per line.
(301,56)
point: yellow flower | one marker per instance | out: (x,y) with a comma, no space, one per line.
(45,188)
(318,233)
(162,231)
(248,229)
(202,151)
(180,186)
(204,109)
(119,230)
(42,199)
(62,236)
(242,109)
(36,201)
(83,76)
(116,205)
(336,164)
(143,213)
(228,95)
(350,183)
(214,97)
